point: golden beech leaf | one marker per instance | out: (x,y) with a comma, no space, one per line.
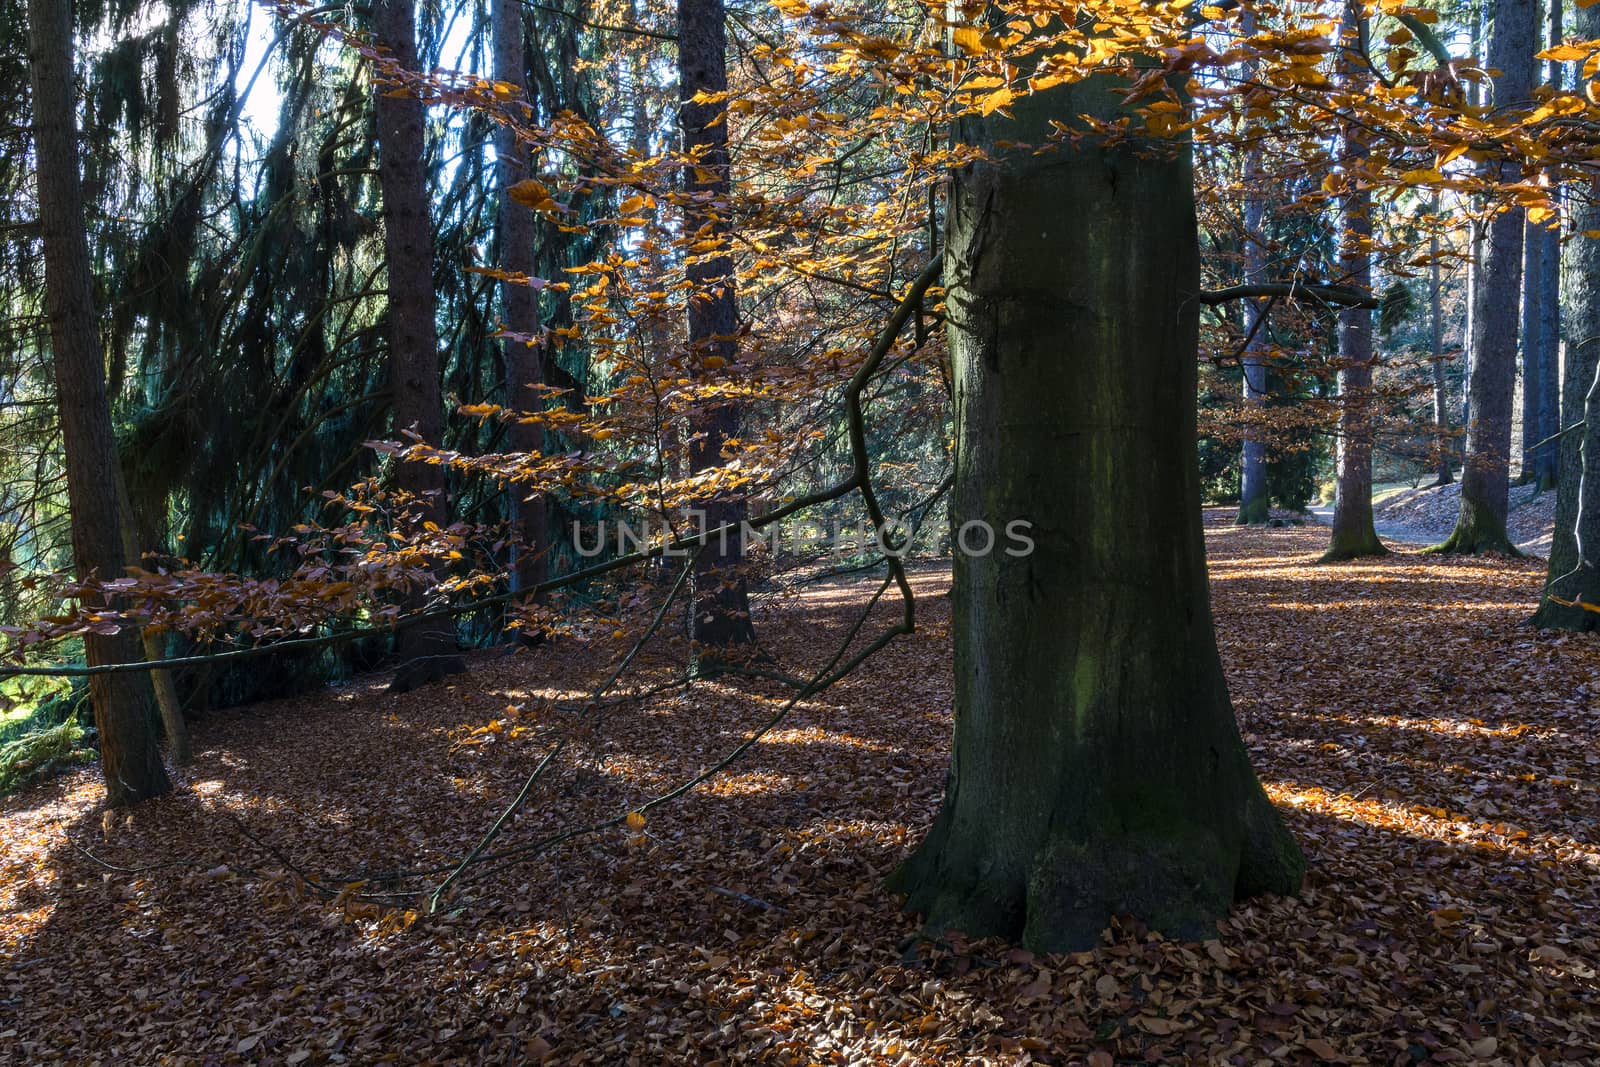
(635,821)
(968,39)
(528,193)
(998,99)
(1418,177)
(630,205)
(1565,53)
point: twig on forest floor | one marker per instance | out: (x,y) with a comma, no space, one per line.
(127,870)
(560,746)
(746,898)
(1367,789)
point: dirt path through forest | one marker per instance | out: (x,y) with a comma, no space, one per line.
(1425,515)
(1388,531)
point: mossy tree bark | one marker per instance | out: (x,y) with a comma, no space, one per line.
(1097,769)
(428,651)
(721,601)
(1353,532)
(523,351)
(1485,477)
(129,756)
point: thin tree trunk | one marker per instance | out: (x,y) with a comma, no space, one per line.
(1529,341)
(1096,768)
(1353,532)
(1474,89)
(129,756)
(1547,459)
(523,354)
(1254,505)
(1485,479)
(428,651)
(166,690)
(1474,261)
(1441,395)
(721,602)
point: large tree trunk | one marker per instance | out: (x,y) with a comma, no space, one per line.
(523,354)
(721,602)
(1574,573)
(1353,532)
(1485,478)
(129,756)
(1441,393)
(428,651)
(1096,769)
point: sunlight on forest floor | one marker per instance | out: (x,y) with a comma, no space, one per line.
(1435,759)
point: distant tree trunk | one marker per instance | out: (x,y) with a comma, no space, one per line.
(1096,767)
(428,651)
(722,604)
(1353,532)
(1485,478)
(1547,459)
(1441,394)
(1474,267)
(1574,573)
(1529,341)
(1474,91)
(1254,504)
(129,756)
(523,355)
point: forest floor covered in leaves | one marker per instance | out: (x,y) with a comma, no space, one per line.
(1436,760)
